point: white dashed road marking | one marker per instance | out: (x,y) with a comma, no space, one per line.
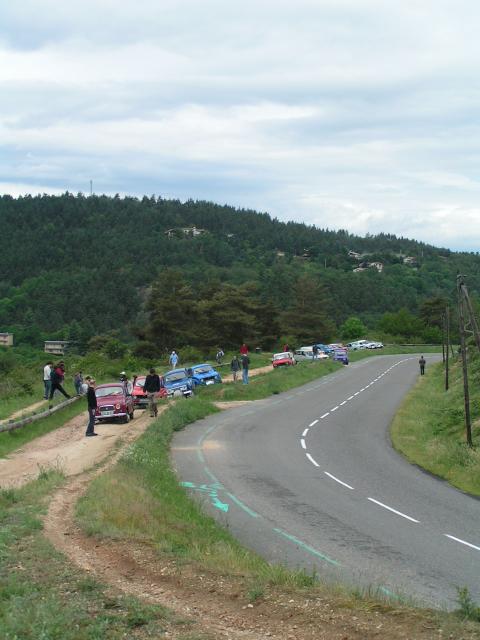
(399,513)
(468,544)
(338,480)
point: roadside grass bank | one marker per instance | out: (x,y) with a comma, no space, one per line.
(271,383)
(429,428)
(43,596)
(11,440)
(140,501)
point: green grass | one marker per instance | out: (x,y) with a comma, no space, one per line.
(273,382)
(11,440)
(429,428)
(42,596)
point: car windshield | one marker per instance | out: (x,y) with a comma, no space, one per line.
(281,356)
(202,369)
(116,390)
(175,377)
(140,381)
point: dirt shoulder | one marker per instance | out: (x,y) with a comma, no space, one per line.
(66,448)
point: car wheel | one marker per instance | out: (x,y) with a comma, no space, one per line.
(131,414)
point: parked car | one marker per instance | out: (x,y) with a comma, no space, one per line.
(340,355)
(140,399)
(286,358)
(306,353)
(358,344)
(374,345)
(113,403)
(325,348)
(177,382)
(204,374)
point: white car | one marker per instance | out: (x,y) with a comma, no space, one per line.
(374,345)
(358,344)
(306,353)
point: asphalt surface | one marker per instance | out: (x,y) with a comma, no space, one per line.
(309,479)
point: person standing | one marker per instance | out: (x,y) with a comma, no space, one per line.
(315,351)
(47,379)
(286,347)
(219,356)
(78,382)
(127,385)
(422,363)
(92,408)
(244,350)
(235,367)
(245,365)
(57,377)
(152,386)
(173,360)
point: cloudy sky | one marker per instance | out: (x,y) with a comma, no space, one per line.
(353,114)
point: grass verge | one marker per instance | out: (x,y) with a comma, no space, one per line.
(42,596)
(11,440)
(429,428)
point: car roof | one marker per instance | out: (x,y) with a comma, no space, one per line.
(205,364)
(109,384)
(182,370)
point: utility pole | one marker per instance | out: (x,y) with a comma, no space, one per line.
(463,347)
(443,337)
(447,331)
(91,187)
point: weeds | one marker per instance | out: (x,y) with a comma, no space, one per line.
(468,609)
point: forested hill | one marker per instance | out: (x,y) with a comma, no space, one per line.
(75,266)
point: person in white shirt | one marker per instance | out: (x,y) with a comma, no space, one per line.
(47,382)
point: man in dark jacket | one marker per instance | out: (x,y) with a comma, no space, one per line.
(235,367)
(422,363)
(152,386)
(92,406)
(57,377)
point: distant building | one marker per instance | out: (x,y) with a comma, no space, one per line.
(280,254)
(186,231)
(354,254)
(358,269)
(56,347)
(410,260)
(376,265)
(6,339)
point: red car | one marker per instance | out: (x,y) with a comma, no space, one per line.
(286,358)
(140,399)
(113,403)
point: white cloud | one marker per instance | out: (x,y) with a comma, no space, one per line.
(340,113)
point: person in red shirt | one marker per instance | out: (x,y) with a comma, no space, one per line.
(244,350)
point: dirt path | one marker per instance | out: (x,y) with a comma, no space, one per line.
(66,448)
(251,372)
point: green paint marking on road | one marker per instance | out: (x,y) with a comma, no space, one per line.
(211,490)
(306,547)
(243,506)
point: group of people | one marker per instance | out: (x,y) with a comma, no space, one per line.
(53,377)
(242,363)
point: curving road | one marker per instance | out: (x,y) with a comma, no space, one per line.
(309,478)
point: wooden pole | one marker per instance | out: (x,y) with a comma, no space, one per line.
(463,347)
(447,331)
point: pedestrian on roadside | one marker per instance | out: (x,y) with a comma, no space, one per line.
(78,382)
(85,384)
(127,385)
(152,386)
(219,356)
(244,350)
(245,365)
(235,367)
(286,347)
(92,407)
(422,363)
(173,360)
(47,381)
(315,351)
(56,378)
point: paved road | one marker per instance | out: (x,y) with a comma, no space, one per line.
(309,478)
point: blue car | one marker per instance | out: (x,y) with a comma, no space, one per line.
(325,348)
(204,374)
(177,382)
(340,355)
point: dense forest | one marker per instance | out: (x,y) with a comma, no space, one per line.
(159,273)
